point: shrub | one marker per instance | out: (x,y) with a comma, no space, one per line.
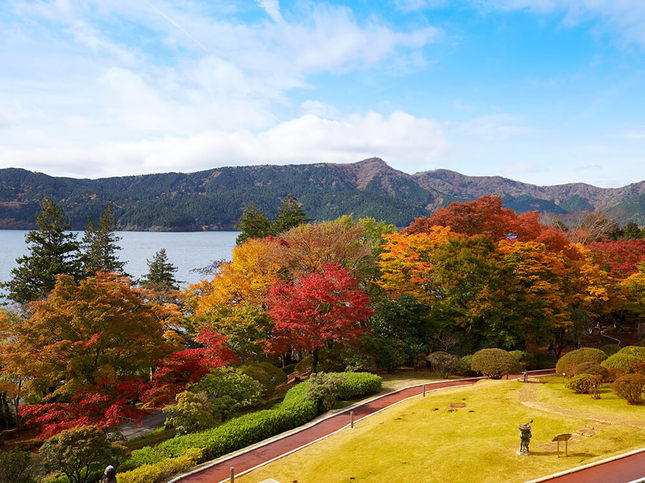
(583,383)
(266,374)
(79,452)
(591,368)
(463,366)
(615,373)
(526,359)
(16,467)
(633,350)
(544,361)
(296,409)
(567,362)
(229,390)
(629,387)
(621,361)
(164,469)
(356,384)
(610,349)
(494,363)
(193,412)
(443,363)
(324,389)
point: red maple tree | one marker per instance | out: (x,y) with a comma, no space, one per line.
(317,310)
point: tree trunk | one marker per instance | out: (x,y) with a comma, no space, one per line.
(314,360)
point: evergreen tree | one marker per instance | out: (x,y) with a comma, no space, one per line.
(290,215)
(253,224)
(100,249)
(161,273)
(52,252)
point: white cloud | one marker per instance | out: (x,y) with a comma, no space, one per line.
(405,141)
(622,18)
(272,8)
(414,5)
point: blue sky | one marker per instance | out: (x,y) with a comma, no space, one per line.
(543,91)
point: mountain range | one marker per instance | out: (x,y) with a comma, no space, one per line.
(214,199)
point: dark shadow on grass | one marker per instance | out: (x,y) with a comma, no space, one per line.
(555,453)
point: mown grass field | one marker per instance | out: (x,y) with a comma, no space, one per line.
(422,440)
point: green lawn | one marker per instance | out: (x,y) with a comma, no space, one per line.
(421,440)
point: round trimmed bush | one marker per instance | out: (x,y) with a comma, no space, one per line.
(583,383)
(610,349)
(634,350)
(463,366)
(566,364)
(593,369)
(630,387)
(621,361)
(494,363)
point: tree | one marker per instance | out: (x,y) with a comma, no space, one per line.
(161,273)
(316,311)
(253,224)
(80,452)
(229,390)
(52,252)
(82,349)
(290,214)
(100,247)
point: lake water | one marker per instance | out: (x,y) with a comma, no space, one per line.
(186,250)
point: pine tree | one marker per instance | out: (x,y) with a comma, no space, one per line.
(100,249)
(52,252)
(253,224)
(161,273)
(290,215)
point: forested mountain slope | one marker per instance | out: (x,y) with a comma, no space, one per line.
(215,198)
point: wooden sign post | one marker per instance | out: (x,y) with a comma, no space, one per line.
(562,437)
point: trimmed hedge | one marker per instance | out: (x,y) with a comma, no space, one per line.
(634,350)
(525,358)
(296,409)
(630,387)
(583,383)
(593,369)
(494,363)
(164,469)
(621,360)
(356,384)
(568,362)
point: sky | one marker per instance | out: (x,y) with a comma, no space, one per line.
(541,91)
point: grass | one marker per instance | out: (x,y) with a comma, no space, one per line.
(609,404)
(421,440)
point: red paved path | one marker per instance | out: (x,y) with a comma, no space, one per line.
(221,471)
(623,470)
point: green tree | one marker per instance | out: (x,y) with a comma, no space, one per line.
(52,252)
(81,452)
(229,389)
(253,224)
(290,214)
(161,273)
(99,246)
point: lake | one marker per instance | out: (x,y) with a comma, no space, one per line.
(188,251)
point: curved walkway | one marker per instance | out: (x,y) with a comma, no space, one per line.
(219,470)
